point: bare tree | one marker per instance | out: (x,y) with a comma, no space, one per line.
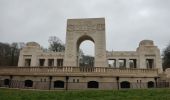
(9,53)
(166,57)
(56,44)
(86,61)
(4,54)
(14,53)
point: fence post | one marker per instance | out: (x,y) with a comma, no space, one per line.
(50,79)
(10,82)
(67,78)
(156,81)
(117,78)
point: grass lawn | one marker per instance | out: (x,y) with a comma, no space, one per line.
(132,94)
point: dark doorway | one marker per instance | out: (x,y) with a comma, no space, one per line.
(59,84)
(93,84)
(6,82)
(150,84)
(28,83)
(125,84)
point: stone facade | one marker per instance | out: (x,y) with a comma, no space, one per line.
(40,69)
(32,55)
(147,56)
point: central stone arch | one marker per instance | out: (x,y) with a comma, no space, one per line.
(79,30)
(80,40)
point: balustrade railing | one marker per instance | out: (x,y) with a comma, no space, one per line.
(55,70)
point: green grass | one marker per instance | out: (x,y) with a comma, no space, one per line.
(132,94)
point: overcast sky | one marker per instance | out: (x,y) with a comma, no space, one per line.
(127,21)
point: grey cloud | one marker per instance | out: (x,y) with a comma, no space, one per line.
(127,21)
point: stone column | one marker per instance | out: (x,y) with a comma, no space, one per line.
(38,62)
(34,60)
(137,63)
(46,62)
(21,60)
(127,63)
(114,64)
(55,62)
(117,63)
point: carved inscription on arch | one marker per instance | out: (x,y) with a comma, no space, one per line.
(86,27)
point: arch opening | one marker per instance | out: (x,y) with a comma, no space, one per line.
(85,51)
(93,84)
(28,83)
(6,82)
(58,84)
(125,84)
(150,84)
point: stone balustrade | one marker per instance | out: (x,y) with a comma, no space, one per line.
(77,71)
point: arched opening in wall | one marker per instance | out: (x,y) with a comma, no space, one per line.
(6,81)
(85,51)
(58,84)
(150,84)
(93,84)
(125,84)
(28,83)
